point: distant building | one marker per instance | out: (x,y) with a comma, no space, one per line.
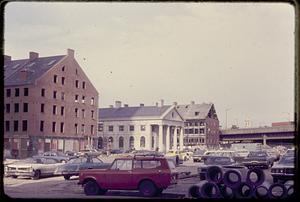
(140,127)
(201,124)
(49,104)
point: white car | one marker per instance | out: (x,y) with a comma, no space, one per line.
(33,168)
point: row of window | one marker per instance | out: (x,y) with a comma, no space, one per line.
(16,107)
(136,164)
(76,126)
(55,79)
(77,85)
(92,102)
(193,140)
(131,142)
(16,125)
(17,92)
(121,128)
(201,123)
(83,113)
(194,131)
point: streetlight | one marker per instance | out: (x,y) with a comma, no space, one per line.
(226,110)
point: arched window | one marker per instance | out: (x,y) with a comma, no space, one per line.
(100,143)
(121,142)
(142,141)
(110,142)
(131,142)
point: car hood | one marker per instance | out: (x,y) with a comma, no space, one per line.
(283,166)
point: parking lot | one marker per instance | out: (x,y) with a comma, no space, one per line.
(57,187)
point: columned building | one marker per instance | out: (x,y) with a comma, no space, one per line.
(157,128)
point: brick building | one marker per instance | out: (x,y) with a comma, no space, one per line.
(49,104)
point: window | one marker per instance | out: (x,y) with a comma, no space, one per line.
(196,124)
(76,72)
(63,69)
(92,112)
(150,164)
(201,131)
(54,109)
(76,128)
(55,78)
(82,128)
(196,113)
(100,127)
(16,107)
(131,142)
(42,108)
(17,92)
(7,125)
(8,92)
(41,126)
(83,97)
(62,96)
(83,85)
(92,101)
(143,127)
(43,92)
(76,112)
(26,92)
(191,131)
(83,113)
(62,110)
(92,129)
(76,98)
(186,131)
(122,165)
(7,108)
(63,80)
(53,127)
(24,125)
(131,127)
(196,131)
(76,83)
(16,125)
(142,141)
(61,127)
(121,128)
(25,107)
(110,128)
(201,123)
(54,94)
(121,142)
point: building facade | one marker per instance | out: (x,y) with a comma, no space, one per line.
(157,128)
(201,124)
(49,104)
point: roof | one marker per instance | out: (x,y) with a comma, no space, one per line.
(189,111)
(34,68)
(130,112)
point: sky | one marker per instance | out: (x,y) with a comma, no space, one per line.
(238,56)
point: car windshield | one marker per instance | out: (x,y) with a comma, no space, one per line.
(287,160)
(171,164)
(76,160)
(218,160)
(257,154)
(199,152)
(27,160)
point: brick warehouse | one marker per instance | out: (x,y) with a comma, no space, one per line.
(49,104)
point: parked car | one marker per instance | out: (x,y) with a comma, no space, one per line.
(259,159)
(224,162)
(229,153)
(175,156)
(242,152)
(284,169)
(197,156)
(148,174)
(93,152)
(33,167)
(57,155)
(73,166)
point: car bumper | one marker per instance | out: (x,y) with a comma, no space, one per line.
(20,173)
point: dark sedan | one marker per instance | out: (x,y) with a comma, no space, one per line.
(284,170)
(73,166)
(259,159)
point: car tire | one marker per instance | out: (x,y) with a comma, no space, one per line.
(14,176)
(67,177)
(159,191)
(36,175)
(91,188)
(147,188)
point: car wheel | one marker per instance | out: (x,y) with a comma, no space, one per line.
(36,175)
(147,188)
(14,176)
(91,188)
(159,191)
(67,177)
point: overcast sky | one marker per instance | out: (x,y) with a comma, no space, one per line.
(239,56)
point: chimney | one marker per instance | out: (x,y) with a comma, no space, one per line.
(7,58)
(33,55)
(23,75)
(141,105)
(111,106)
(192,102)
(161,102)
(118,104)
(156,104)
(125,105)
(70,52)
(175,103)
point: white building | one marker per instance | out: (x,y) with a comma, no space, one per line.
(143,127)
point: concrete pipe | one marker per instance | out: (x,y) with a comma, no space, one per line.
(209,190)
(214,174)
(194,191)
(255,177)
(232,178)
(245,190)
(226,191)
(277,191)
(262,191)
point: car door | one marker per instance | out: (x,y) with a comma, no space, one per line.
(50,165)
(119,175)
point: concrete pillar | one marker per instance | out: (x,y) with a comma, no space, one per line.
(160,138)
(175,139)
(264,140)
(168,139)
(181,139)
(148,139)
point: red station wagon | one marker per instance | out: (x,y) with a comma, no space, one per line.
(148,174)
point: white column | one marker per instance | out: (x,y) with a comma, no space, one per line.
(168,139)
(175,139)
(148,139)
(181,139)
(160,138)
